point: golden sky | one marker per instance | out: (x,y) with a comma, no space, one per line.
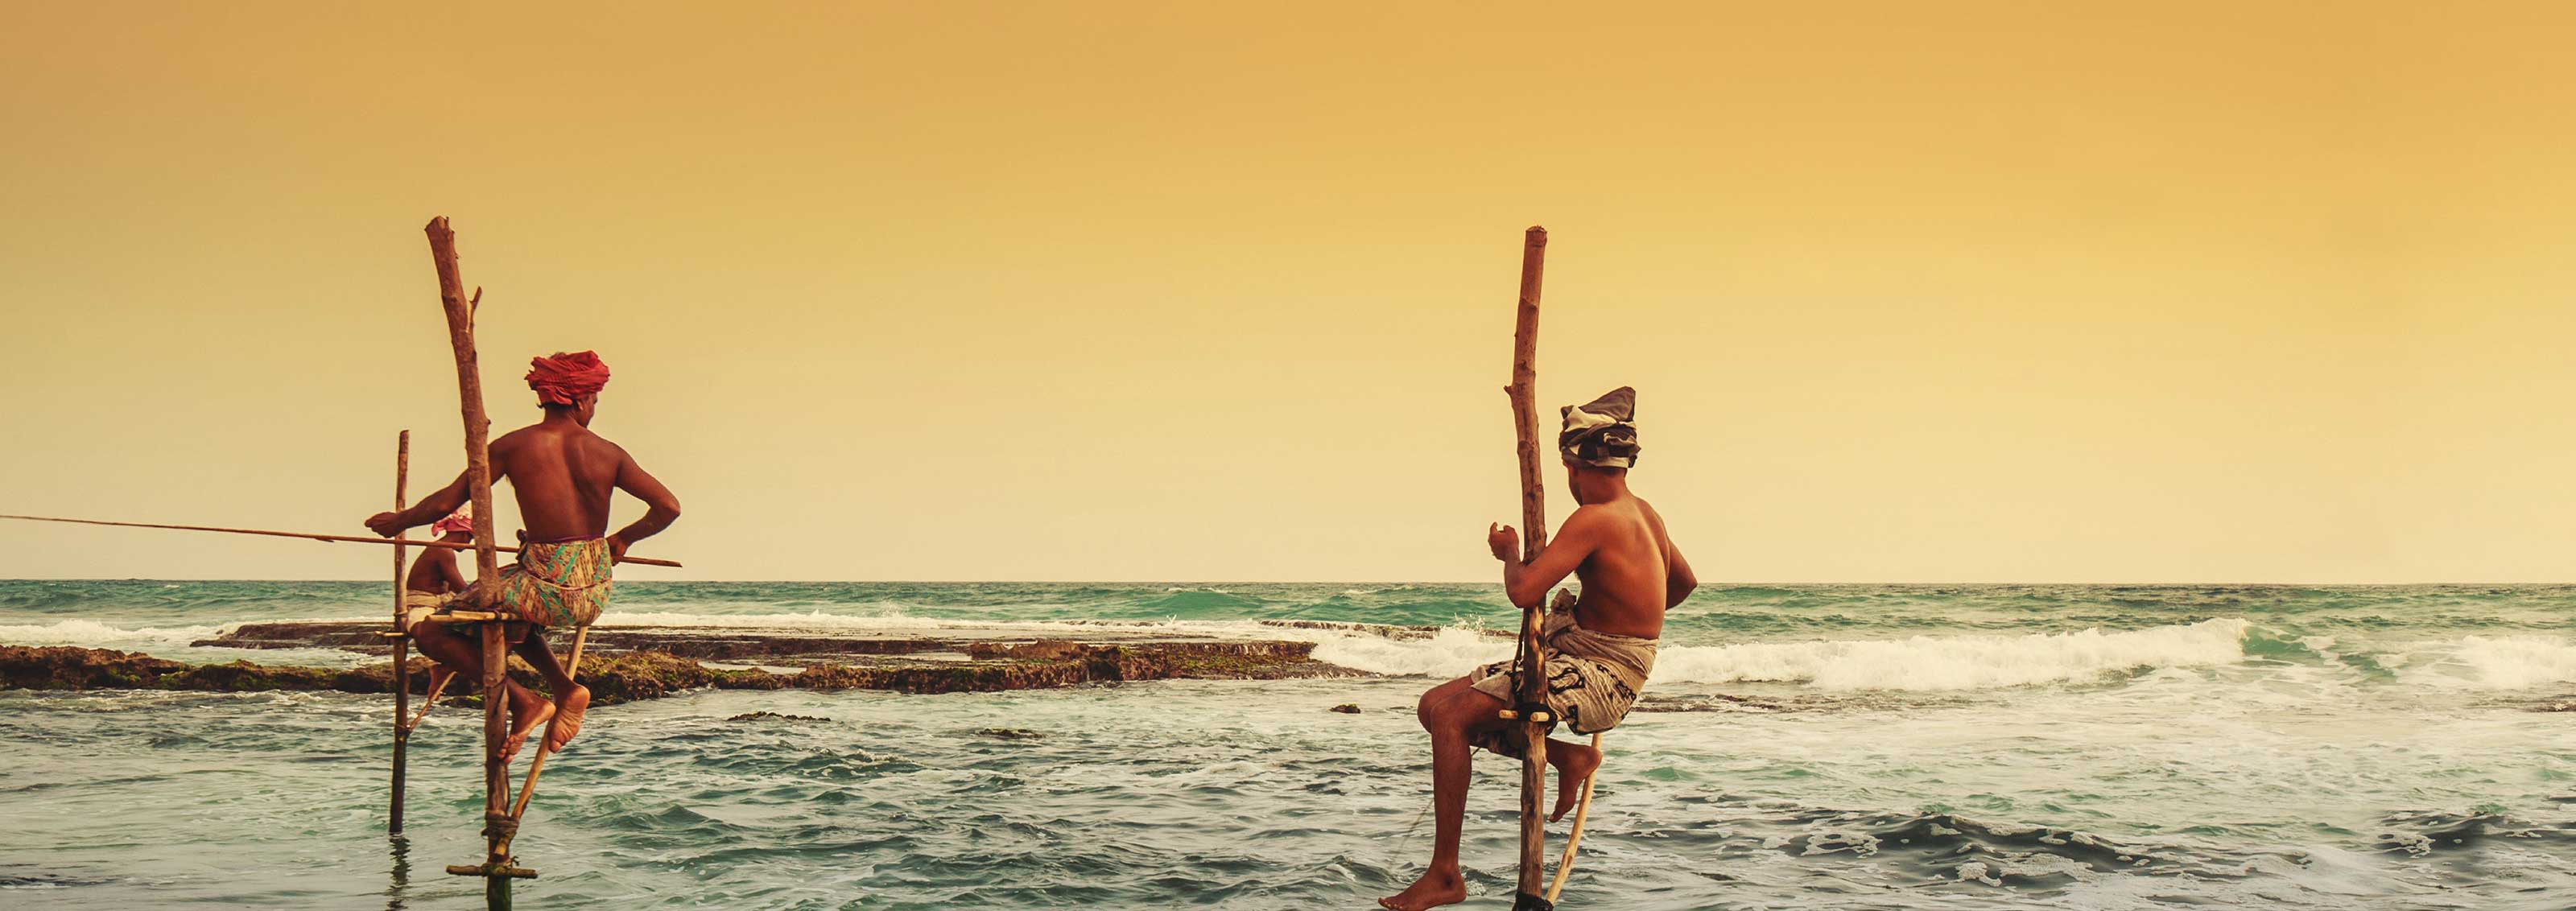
(2216,292)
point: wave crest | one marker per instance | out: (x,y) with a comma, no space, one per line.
(2499,662)
(1959,662)
(1915,663)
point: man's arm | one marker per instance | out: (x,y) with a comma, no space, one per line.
(1527,583)
(661,508)
(431,508)
(1679,581)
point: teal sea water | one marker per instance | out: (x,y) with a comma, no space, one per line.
(1845,747)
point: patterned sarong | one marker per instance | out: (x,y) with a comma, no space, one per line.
(1592,678)
(562,583)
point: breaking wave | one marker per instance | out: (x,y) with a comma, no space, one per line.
(1913,663)
(94,634)
(2498,662)
(1961,662)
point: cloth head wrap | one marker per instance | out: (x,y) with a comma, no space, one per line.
(1602,434)
(563,378)
(460,520)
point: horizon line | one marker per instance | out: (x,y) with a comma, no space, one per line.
(1496,584)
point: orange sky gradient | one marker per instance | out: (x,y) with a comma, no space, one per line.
(1958,292)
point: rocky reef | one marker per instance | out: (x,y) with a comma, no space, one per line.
(624,664)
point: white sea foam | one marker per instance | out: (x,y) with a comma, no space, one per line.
(1959,662)
(2497,662)
(1448,653)
(93,634)
(1916,663)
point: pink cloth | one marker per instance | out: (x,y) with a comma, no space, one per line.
(460,520)
(561,379)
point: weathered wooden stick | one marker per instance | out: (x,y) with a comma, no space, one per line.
(402,646)
(1533,678)
(1574,839)
(487,566)
(537,765)
(466,616)
(494,872)
(427,704)
(314,536)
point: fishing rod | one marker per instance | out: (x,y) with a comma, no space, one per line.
(350,539)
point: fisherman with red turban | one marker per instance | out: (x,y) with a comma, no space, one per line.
(563,477)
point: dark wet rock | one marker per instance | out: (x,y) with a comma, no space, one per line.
(773,716)
(638,675)
(624,664)
(1381,629)
(1008,733)
(1347,708)
(1040,650)
(63,667)
(245,677)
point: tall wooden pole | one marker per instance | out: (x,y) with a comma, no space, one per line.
(402,643)
(1533,679)
(487,570)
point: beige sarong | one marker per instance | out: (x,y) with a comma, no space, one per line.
(1592,678)
(418,605)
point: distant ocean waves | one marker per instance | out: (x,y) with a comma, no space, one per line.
(1927,661)
(2032,748)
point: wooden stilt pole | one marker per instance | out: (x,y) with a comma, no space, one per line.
(1532,693)
(1574,839)
(402,644)
(452,298)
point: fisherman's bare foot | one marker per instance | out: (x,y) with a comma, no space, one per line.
(567,718)
(1574,765)
(1435,888)
(524,717)
(438,677)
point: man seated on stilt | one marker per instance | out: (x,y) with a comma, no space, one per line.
(1596,659)
(563,476)
(435,582)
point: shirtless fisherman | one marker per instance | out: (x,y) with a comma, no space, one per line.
(1596,660)
(563,476)
(434,580)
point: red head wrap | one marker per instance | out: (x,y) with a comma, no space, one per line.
(460,520)
(562,378)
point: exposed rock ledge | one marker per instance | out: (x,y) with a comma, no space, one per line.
(629,663)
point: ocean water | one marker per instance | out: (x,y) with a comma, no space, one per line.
(1843,747)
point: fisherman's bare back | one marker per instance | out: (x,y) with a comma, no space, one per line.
(1628,566)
